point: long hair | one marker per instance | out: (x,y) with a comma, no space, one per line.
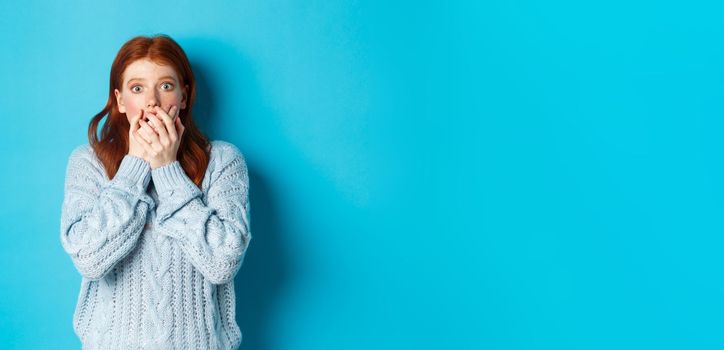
(112,146)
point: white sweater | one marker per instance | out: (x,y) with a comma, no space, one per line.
(157,254)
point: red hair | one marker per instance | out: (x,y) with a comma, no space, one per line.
(194,149)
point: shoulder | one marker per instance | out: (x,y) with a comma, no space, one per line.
(82,160)
(85,156)
(227,166)
(81,150)
(82,154)
(224,152)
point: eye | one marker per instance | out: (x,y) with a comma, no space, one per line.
(170,86)
(133,88)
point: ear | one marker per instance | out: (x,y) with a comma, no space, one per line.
(119,101)
(186,93)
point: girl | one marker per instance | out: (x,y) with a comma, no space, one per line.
(155,218)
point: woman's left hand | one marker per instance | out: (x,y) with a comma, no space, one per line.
(163,144)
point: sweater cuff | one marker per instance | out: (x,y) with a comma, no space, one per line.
(136,170)
(172,177)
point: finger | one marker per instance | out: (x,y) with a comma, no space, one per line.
(151,136)
(160,128)
(148,115)
(137,116)
(134,127)
(166,117)
(154,139)
(137,138)
(146,138)
(180,127)
(164,123)
(135,135)
(171,123)
(146,146)
(145,131)
(134,122)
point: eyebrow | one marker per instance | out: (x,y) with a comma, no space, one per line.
(161,78)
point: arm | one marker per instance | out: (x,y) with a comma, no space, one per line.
(101,220)
(213,236)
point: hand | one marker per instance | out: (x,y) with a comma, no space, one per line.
(135,141)
(162,133)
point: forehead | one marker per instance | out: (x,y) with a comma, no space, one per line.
(146,69)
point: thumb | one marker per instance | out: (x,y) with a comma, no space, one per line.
(134,122)
(179,126)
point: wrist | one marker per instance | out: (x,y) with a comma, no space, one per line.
(134,169)
(172,178)
(156,165)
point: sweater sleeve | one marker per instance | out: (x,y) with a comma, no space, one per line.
(215,235)
(101,220)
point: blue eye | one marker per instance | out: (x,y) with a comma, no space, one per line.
(169,84)
(134,87)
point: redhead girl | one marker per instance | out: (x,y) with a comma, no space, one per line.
(155,217)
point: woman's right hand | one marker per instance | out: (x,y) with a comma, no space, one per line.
(135,148)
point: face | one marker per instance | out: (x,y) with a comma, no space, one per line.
(147,84)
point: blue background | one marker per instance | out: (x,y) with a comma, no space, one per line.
(476,175)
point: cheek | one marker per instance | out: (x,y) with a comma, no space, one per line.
(133,107)
(131,102)
(171,99)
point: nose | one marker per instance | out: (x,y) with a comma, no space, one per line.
(152,100)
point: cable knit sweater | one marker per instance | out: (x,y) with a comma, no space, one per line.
(157,254)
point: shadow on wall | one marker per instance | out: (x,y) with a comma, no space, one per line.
(264,271)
